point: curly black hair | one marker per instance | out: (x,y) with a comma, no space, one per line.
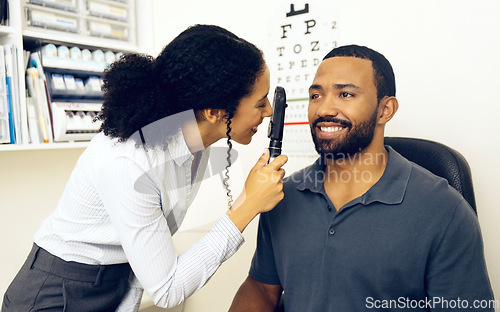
(205,66)
(382,69)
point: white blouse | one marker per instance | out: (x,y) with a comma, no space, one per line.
(123,203)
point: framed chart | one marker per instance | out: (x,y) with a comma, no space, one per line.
(301,34)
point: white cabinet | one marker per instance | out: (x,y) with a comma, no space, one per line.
(91,25)
(96,23)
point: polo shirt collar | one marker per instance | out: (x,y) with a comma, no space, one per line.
(390,189)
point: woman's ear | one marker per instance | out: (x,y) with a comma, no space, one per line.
(211,115)
(388,107)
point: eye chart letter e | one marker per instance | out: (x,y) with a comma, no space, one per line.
(301,34)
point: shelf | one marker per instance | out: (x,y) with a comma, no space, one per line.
(93,24)
(51,36)
(6,30)
(54,4)
(74,65)
(58,37)
(46,146)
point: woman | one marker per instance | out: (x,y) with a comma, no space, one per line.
(131,187)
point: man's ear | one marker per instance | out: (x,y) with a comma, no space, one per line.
(212,115)
(387,109)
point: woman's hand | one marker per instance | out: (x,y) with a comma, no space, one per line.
(262,192)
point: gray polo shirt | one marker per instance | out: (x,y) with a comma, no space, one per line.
(410,243)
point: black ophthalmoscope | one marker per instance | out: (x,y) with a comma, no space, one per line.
(277,123)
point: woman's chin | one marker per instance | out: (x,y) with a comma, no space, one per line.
(244,141)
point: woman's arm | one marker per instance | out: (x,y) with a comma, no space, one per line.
(138,219)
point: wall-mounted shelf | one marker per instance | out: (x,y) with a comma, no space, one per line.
(47,146)
(74,65)
(42,36)
(6,30)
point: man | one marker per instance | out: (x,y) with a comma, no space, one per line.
(363,229)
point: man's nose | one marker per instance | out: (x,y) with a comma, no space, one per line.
(328,108)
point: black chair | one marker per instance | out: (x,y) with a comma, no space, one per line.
(439,159)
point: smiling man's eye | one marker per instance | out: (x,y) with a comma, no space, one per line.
(314,96)
(346,94)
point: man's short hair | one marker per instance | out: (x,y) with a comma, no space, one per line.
(383,73)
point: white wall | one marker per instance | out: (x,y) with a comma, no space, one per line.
(446,57)
(30,185)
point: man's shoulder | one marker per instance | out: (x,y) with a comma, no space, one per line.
(421,179)
(426,180)
(432,191)
(419,187)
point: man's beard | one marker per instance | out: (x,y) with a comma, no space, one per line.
(357,138)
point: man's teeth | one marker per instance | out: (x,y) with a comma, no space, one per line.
(330,129)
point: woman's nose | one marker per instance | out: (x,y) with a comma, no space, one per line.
(268,112)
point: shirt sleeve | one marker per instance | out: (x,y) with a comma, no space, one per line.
(136,215)
(457,278)
(263,267)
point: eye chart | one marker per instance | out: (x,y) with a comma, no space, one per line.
(301,35)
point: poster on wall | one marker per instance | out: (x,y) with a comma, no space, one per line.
(301,34)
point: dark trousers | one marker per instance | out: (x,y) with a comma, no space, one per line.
(48,283)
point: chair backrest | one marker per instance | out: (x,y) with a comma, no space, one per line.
(439,159)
